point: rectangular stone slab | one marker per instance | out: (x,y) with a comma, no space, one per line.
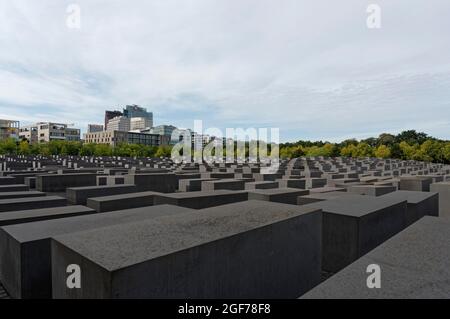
(13,204)
(419,204)
(251,249)
(21,194)
(25,255)
(443,189)
(199,200)
(415,183)
(79,195)
(59,182)
(280,195)
(123,201)
(352,226)
(14,188)
(371,190)
(414,264)
(227,184)
(33,215)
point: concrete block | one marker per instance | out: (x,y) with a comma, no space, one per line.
(14,204)
(79,195)
(25,249)
(251,249)
(199,200)
(443,189)
(280,195)
(120,202)
(413,264)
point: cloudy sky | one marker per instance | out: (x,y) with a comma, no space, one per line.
(312,68)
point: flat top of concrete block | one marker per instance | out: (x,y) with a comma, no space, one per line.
(67,174)
(262,183)
(30,199)
(276,191)
(102,187)
(447,183)
(414,264)
(327,189)
(119,246)
(355,206)
(25,193)
(224,180)
(220,192)
(46,229)
(371,186)
(125,196)
(332,195)
(45,212)
(410,196)
(13,185)
(412,178)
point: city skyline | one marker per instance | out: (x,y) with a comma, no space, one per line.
(313,70)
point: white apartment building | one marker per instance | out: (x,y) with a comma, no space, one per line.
(47,131)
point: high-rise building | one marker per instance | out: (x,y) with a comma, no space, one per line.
(131,111)
(119,123)
(115,138)
(109,115)
(9,129)
(92,128)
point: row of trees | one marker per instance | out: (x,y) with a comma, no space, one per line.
(408,145)
(10,146)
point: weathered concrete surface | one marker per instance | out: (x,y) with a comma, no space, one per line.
(14,204)
(199,200)
(162,182)
(21,194)
(414,265)
(415,183)
(443,189)
(223,184)
(59,182)
(79,195)
(123,201)
(14,188)
(25,254)
(354,226)
(419,204)
(33,215)
(319,197)
(280,195)
(251,249)
(371,190)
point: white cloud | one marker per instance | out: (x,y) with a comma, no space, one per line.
(311,68)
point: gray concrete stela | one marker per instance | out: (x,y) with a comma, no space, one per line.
(152,228)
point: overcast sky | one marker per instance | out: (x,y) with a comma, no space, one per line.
(311,68)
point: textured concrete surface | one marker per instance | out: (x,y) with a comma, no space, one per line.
(443,189)
(419,204)
(121,202)
(33,215)
(21,194)
(414,264)
(280,195)
(14,204)
(352,226)
(251,249)
(25,257)
(79,195)
(202,199)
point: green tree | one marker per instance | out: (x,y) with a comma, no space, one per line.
(382,151)
(24,148)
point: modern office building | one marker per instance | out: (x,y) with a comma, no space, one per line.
(92,128)
(9,129)
(140,123)
(119,123)
(109,115)
(131,111)
(72,134)
(47,131)
(115,138)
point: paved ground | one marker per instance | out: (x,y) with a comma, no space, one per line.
(3,293)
